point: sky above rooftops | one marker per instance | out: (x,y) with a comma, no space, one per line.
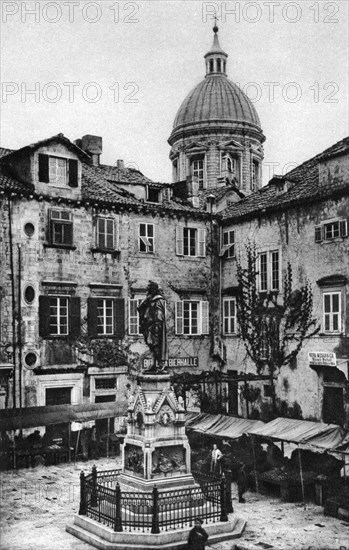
(122,69)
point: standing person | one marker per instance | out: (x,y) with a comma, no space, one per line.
(152,325)
(242,482)
(216,456)
(197,536)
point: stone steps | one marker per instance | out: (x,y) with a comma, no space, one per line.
(102,537)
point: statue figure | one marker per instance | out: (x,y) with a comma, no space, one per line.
(152,325)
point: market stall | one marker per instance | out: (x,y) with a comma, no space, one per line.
(306,435)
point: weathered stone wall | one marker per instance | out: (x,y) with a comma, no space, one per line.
(292,232)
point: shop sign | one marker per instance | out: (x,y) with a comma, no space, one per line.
(322,358)
(174,362)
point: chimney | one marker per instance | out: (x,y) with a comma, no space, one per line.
(210,200)
(120,164)
(92,145)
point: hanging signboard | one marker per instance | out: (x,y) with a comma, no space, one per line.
(174,362)
(325,358)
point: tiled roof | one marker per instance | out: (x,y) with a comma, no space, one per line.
(100,185)
(305,188)
(58,137)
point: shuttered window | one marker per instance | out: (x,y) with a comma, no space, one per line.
(106,317)
(59,316)
(332,311)
(331,230)
(190,241)
(58,171)
(228,244)
(192,317)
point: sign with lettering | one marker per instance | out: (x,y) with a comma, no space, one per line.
(174,362)
(322,358)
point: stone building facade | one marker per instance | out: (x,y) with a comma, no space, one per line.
(80,241)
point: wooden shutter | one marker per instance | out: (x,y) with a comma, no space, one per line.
(68,233)
(179,317)
(343,228)
(179,241)
(117,233)
(92,317)
(43,168)
(119,318)
(74,317)
(318,233)
(72,173)
(201,242)
(204,317)
(44,316)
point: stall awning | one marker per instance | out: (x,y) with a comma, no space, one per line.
(316,434)
(220,425)
(31,417)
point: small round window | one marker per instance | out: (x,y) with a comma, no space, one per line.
(29,229)
(30,359)
(29,294)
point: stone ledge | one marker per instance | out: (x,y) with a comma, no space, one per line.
(94,533)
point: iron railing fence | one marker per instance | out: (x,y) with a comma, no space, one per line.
(102,499)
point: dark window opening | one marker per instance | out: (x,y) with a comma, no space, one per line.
(211,66)
(219,65)
(153,194)
(104,398)
(58,396)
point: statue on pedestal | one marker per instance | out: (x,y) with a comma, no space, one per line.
(152,324)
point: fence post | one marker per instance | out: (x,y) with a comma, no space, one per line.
(224,515)
(230,508)
(82,509)
(94,487)
(118,519)
(155,528)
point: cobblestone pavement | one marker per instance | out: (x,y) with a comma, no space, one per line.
(36,504)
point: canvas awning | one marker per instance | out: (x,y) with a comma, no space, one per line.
(220,425)
(316,434)
(31,417)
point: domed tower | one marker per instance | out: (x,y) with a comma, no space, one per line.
(217,137)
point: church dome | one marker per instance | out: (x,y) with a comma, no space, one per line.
(216,103)
(216,99)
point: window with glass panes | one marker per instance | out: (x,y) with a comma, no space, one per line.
(229,243)
(133,316)
(189,241)
(229,315)
(269,271)
(331,230)
(263,271)
(61,227)
(105,319)
(58,170)
(192,317)
(105,233)
(58,316)
(197,170)
(332,311)
(146,237)
(275,270)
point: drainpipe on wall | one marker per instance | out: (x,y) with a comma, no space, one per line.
(19,324)
(13,303)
